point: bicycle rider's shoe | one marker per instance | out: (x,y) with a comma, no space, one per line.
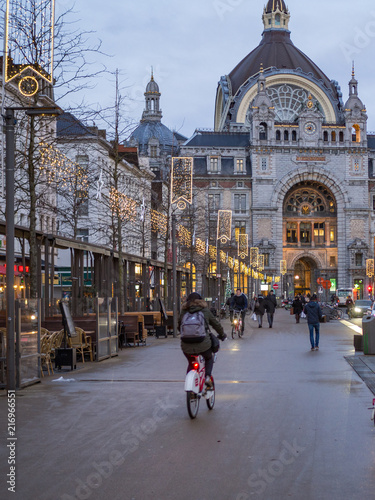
(208,382)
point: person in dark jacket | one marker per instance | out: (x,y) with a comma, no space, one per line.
(229,304)
(270,306)
(314,314)
(239,303)
(259,309)
(297,307)
(193,304)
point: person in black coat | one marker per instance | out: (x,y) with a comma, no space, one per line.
(270,306)
(314,315)
(297,308)
(259,309)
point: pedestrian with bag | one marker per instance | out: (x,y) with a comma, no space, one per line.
(196,337)
(297,307)
(259,309)
(270,306)
(314,316)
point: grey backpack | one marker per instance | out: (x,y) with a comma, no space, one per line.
(193,327)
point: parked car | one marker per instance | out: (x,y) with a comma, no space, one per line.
(360,308)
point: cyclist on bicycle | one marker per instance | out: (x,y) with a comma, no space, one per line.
(193,304)
(239,303)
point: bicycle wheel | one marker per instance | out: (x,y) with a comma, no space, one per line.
(211,400)
(339,313)
(233,331)
(192,402)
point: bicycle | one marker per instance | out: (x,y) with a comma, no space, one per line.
(334,312)
(237,324)
(195,386)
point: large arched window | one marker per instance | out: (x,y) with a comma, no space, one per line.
(310,213)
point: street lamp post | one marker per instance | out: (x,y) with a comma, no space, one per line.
(9,214)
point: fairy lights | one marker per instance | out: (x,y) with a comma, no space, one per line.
(370,267)
(283,267)
(243,245)
(60,169)
(212,251)
(200,246)
(223,257)
(159,223)
(260,262)
(224,225)
(254,256)
(182,182)
(184,236)
(29,36)
(126,206)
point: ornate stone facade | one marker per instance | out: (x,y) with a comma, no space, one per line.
(300,160)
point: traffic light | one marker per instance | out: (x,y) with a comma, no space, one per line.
(369,289)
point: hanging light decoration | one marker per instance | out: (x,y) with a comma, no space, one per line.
(224,225)
(212,252)
(200,246)
(370,267)
(254,256)
(243,245)
(260,262)
(182,182)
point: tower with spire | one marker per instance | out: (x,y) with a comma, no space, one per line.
(152,111)
(355,114)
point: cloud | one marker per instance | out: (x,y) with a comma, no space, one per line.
(191,46)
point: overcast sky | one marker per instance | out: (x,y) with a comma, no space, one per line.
(191,44)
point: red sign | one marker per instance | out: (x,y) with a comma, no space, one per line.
(320,281)
(275,286)
(326,284)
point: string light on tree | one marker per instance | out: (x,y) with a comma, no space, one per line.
(123,204)
(200,247)
(283,267)
(159,223)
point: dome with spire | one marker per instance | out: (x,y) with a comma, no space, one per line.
(152,86)
(151,136)
(282,62)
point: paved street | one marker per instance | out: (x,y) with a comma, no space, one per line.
(288,424)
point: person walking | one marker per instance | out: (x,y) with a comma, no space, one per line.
(314,315)
(270,306)
(349,305)
(229,304)
(297,307)
(259,309)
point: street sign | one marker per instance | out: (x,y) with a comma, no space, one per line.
(320,290)
(275,286)
(218,276)
(320,281)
